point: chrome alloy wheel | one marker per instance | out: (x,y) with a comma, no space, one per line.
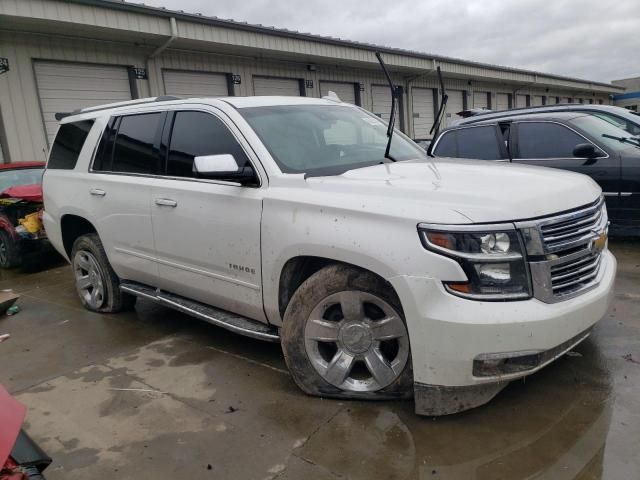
(356,341)
(89,280)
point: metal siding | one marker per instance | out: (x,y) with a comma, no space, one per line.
(423,111)
(64,87)
(195,84)
(345,91)
(455,104)
(289,87)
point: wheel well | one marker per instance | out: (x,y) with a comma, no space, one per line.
(72,227)
(298,269)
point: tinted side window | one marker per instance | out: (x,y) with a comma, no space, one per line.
(546,140)
(68,143)
(134,150)
(478,142)
(196,134)
(446,145)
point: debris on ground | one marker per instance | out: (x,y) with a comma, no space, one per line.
(13,310)
(630,357)
(231,409)
(4,336)
(7,299)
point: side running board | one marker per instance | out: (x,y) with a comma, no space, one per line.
(221,318)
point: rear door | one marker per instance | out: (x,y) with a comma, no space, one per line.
(207,232)
(630,189)
(551,144)
(118,192)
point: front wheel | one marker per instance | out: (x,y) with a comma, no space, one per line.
(97,284)
(344,335)
(9,251)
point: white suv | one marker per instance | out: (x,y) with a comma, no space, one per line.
(281,218)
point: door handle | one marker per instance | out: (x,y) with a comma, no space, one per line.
(97,192)
(166,202)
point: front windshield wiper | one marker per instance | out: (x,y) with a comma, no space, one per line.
(435,128)
(395,93)
(635,141)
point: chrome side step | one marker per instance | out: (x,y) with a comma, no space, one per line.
(221,318)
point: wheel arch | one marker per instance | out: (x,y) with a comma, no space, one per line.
(297,269)
(72,227)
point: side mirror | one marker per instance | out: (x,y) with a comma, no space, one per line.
(586,150)
(222,167)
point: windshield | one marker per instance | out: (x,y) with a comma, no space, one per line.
(601,131)
(24,176)
(325,139)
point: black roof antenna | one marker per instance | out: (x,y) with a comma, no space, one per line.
(395,93)
(435,128)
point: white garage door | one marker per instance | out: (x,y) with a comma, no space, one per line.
(195,84)
(521,101)
(65,87)
(502,101)
(577,100)
(455,104)
(565,100)
(480,100)
(289,87)
(536,100)
(345,91)
(381,101)
(423,114)
(552,100)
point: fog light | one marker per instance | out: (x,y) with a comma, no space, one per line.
(494,273)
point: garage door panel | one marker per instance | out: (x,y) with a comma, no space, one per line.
(480,100)
(64,87)
(423,111)
(288,87)
(502,101)
(455,104)
(381,101)
(536,100)
(345,91)
(195,84)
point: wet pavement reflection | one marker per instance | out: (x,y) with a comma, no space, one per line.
(155,394)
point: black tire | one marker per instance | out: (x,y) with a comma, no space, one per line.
(9,251)
(113,299)
(328,281)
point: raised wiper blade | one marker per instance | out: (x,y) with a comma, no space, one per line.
(435,128)
(395,93)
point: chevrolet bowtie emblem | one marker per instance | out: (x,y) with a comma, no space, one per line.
(600,242)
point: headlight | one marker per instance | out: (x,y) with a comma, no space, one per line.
(491,256)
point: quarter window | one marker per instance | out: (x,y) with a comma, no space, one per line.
(447,145)
(546,140)
(196,134)
(67,145)
(134,150)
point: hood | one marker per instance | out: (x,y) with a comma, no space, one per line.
(463,191)
(11,417)
(31,193)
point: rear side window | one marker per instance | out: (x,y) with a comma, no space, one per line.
(475,142)
(546,140)
(135,149)
(196,134)
(67,145)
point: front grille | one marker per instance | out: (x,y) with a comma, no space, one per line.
(565,251)
(567,231)
(574,275)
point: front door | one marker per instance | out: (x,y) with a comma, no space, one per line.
(207,233)
(551,144)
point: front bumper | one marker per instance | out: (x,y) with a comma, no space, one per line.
(448,333)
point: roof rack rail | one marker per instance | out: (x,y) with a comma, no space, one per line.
(140,101)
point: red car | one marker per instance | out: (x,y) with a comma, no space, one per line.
(20,211)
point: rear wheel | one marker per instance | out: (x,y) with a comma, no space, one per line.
(344,336)
(9,251)
(97,284)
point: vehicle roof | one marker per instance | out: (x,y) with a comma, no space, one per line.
(19,165)
(557,116)
(548,108)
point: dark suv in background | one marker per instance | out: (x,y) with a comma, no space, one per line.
(580,142)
